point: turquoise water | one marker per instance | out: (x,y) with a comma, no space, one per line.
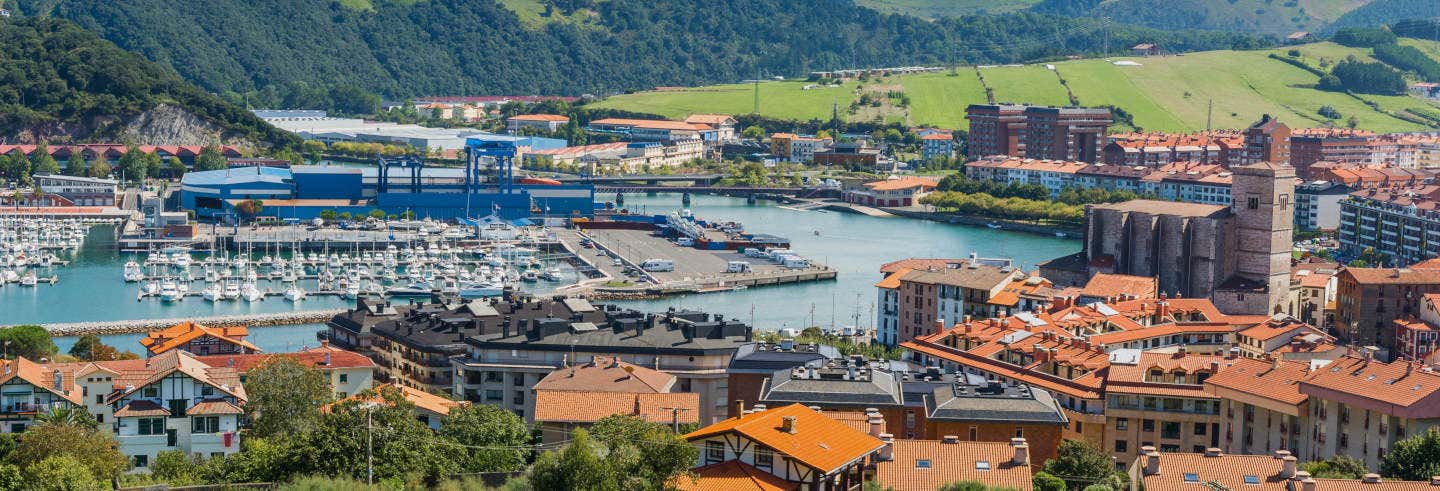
(91,289)
(854,245)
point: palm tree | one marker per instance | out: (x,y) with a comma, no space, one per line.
(68,416)
(36,193)
(15,198)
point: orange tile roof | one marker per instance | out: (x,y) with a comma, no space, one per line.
(1273,328)
(214,407)
(1413,324)
(1120,337)
(892,281)
(158,367)
(570,406)
(1398,385)
(607,374)
(731,475)
(421,399)
(901,183)
(1006,298)
(937,136)
(1106,285)
(917,263)
(1279,382)
(1392,275)
(710,119)
(659,124)
(1168,362)
(818,441)
(42,377)
(313,357)
(1230,471)
(1087,386)
(164,340)
(1316,280)
(540,117)
(951,462)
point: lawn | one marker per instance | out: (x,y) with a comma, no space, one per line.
(940,99)
(784,100)
(1028,84)
(1167,93)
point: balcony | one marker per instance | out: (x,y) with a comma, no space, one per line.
(212,442)
(142,441)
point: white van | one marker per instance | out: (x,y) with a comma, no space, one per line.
(737,267)
(685,242)
(657,265)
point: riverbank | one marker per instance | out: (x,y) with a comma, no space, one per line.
(147,325)
(1071,231)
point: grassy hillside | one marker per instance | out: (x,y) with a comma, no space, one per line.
(1270,17)
(1170,93)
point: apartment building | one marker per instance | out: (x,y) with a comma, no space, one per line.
(1261,407)
(929,297)
(502,364)
(1065,133)
(935,146)
(1417,338)
(887,313)
(995,129)
(30,388)
(896,192)
(1159,400)
(1266,140)
(1317,204)
(1359,406)
(1401,223)
(63,190)
(642,155)
(578,395)
(755,363)
(1368,300)
(1054,175)
(1311,145)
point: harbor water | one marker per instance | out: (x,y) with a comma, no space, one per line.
(90,288)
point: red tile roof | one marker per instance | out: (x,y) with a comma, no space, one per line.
(951,462)
(570,406)
(817,441)
(172,337)
(1399,385)
(902,183)
(1276,381)
(214,407)
(607,374)
(540,117)
(313,357)
(1106,285)
(731,475)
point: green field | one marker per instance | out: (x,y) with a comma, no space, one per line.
(1170,93)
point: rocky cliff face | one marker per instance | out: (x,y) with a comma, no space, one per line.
(162,125)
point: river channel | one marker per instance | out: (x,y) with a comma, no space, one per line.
(91,289)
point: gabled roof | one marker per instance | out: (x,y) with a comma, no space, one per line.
(570,406)
(421,399)
(214,407)
(731,475)
(141,408)
(174,336)
(817,441)
(902,183)
(1276,381)
(224,379)
(607,374)
(710,119)
(951,462)
(313,357)
(40,377)
(1108,285)
(1396,386)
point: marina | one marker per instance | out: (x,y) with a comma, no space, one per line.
(91,287)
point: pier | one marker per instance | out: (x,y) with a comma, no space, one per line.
(696,270)
(146,325)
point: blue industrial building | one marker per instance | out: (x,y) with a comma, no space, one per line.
(485,186)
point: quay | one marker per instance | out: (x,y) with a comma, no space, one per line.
(696,270)
(146,325)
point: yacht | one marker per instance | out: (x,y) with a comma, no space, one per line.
(482,289)
(449,286)
(133,272)
(294,293)
(213,292)
(529,276)
(30,279)
(9,276)
(250,293)
(552,274)
(351,291)
(170,291)
(151,287)
(182,260)
(232,290)
(416,289)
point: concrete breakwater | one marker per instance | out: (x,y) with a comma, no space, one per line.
(146,325)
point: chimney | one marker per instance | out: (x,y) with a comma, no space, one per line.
(950,439)
(1371,478)
(1182,351)
(887,452)
(1022,451)
(787,424)
(1214,452)
(1288,464)
(939,325)
(1041,355)
(877,426)
(1282,453)
(1307,485)
(1214,367)
(739,407)
(1435,480)
(1152,463)
(1300,476)
(1275,363)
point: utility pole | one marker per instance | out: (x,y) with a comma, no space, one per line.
(675,417)
(369,447)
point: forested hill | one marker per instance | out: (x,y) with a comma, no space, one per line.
(60,82)
(401,48)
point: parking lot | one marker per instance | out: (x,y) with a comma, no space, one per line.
(691,264)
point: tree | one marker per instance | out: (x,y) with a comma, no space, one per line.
(285,397)
(250,208)
(174,468)
(210,158)
(76,165)
(62,473)
(18,168)
(377,214)
(1080,464)
(328,215)
(579,466)
(643,455)
(403,447)
(99,169)
(71,416)
(32,342)
(44,163)
(482,425)
(10,478)
(344,216)
(133,164)
(753,132)
(1045,481)
(90,348)
(176,168)
(1415,458)
(94,450)
(1336,467)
